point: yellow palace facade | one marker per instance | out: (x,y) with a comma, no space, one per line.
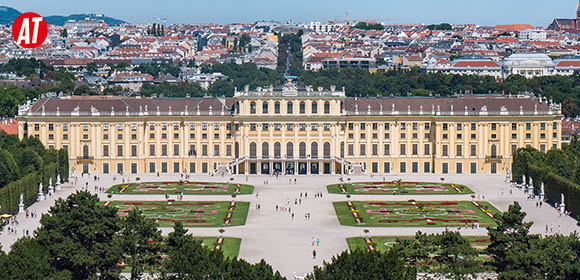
(293,131)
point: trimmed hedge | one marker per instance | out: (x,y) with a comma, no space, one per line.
(10,194)
(555,185)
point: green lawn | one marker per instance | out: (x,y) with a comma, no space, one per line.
(190,213)
(414,214)
(383,243)
(184,187)
(230,248)
(398,188)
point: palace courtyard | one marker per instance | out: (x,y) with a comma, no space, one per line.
(270,232)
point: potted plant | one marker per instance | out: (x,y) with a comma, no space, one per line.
(442,179)
(221,231)
(109,195)
(233,197)
(366,231)
(472,197)
(348,197)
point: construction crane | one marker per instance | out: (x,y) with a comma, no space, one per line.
(347,21)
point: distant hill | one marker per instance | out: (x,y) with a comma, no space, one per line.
(8,15)
(60,20)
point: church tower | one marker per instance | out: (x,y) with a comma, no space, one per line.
(578,14)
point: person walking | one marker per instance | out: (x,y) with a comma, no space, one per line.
(313,240)
(317,242)
(314,254)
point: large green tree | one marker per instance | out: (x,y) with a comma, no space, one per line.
(28,259)
(364,265)
(512,247)
(140,240)
(80,236)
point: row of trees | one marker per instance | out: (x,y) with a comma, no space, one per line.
(442,26)
(290,54)
(369,26)
(562,89)
(156,30)
(23,165)
(558,169)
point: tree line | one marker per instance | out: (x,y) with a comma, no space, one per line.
(23,165)
(357,82)
(290,54)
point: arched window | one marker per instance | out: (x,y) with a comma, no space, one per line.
(252,107)
(265,150)
(302,107)
(265,107)
(253,149)
(314,107)
(277,148)
(326,148)
(327,107)
(237,150)
(86,151)
(314,150)
(302,149)
(342,149)
(493,151)
(290,108)
(277,107)
(289,150)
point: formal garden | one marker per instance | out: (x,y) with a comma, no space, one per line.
(386,243)
(398,187)
(413,213)
(182,187)
(189,213)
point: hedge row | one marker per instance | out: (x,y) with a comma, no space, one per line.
(10,194)
(28,186)
(555,185)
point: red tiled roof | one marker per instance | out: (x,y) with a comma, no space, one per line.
(514,27)
(10,126)
(569,63)
(475,63)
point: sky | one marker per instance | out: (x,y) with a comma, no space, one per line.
(482,12)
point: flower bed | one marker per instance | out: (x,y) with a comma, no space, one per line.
(181,187)
(415,214)
(398,187)
(190,213)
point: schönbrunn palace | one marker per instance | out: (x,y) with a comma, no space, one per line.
(294,131)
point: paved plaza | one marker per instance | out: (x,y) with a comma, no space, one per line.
(286,243)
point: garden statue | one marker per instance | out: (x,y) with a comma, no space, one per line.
(21,204)
(41,195)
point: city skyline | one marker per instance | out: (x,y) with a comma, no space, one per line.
(492,12)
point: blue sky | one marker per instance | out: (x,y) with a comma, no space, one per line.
(483,12)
